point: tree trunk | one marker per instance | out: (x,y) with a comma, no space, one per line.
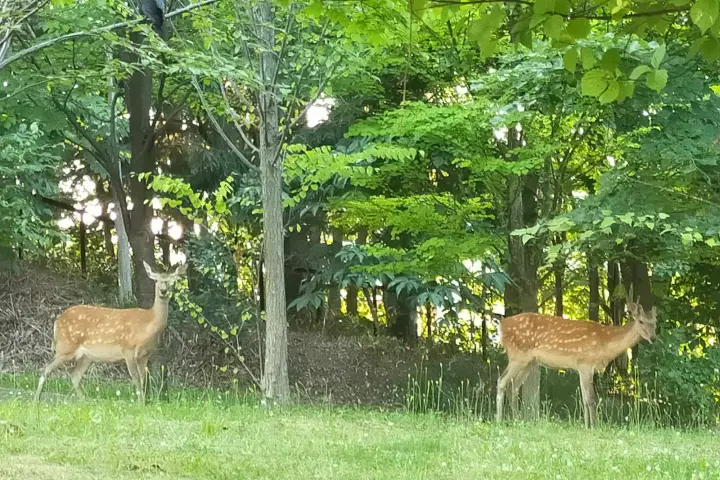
(370,297)
(352,301)
(429,320)
(139,95)
(275,382)
(617,308)
(352,291)
(523,264)
(402,317)
(559,273)
(125,284)
(83,248)
(635,273)
(616,300)
(334,297)
(484,339)
(594,284)
(117,190)
(165,243)
(104,198)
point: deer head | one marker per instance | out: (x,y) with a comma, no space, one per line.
(645,323)
(165,281)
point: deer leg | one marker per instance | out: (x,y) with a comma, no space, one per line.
(57,361)
(132,367)
(512,370)
(81,366)
(517,382)
(588,394)
(142,373)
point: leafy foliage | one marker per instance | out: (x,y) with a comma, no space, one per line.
(27,167)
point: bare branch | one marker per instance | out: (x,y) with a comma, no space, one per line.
(235,118)
(321,90)
(219,128)
(288,27)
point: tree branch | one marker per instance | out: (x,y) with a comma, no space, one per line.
(235,117)
(652,13)
(219,128)
(288,26)
(33,10)
(96,31)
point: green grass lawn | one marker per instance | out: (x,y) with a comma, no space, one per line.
(103,438)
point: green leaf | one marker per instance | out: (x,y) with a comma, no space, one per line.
(562,7)
(553,26)
(627,218)
(711,242)
(627,89)
(418,5)
(488,49)
(611,93)
(579,28)
(663,216)
(594,83)
(695,46)
(476,30)
(639,71)
(533,230)
(544,6)
(610,59)
(607,222)
(315,9)
(587,57)
(570,59)
(657,56)
(710,49)
(704,13)
(525,38)
(657,79)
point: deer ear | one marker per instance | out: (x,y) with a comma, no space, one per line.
(181,270)
(149,271)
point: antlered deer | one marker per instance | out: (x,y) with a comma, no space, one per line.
(91,334)
(554,342)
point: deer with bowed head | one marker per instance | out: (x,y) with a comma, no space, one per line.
(89,334)
(555,342)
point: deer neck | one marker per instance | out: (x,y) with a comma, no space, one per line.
(627,337)
(160,313)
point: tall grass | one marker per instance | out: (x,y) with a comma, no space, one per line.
(469,399)
(639,406)
(98,387)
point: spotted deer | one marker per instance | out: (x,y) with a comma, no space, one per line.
(555,342)
(89,334)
